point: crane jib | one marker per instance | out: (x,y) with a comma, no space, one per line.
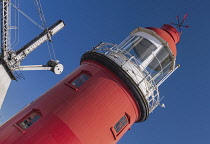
(33,44)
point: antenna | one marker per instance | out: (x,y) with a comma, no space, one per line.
(180,23)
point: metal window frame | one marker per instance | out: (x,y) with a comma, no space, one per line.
(23,129)
(69,83)
(113,130)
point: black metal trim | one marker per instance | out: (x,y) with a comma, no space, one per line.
(128,81)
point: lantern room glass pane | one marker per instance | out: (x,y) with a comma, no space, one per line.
(160,65)
(152,57)
(139,47)
(129,43)
(143,49)
(160,61)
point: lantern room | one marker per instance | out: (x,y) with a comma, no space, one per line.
(147,56)
(155,55)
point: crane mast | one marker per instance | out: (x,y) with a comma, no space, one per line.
(5,42)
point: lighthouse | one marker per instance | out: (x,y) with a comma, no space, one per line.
(114,87)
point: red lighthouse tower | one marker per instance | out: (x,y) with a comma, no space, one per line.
(114,87)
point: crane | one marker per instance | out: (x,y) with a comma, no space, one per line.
(10,60)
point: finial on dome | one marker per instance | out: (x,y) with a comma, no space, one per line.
(180,23)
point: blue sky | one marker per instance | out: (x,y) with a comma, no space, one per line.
(187,114)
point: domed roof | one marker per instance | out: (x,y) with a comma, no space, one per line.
(169,34)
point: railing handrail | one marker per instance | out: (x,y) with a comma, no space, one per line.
(152,95)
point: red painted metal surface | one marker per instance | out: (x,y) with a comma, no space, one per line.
(169,34)
(84,115)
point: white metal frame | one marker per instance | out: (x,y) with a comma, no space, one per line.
(5,28)
(131,65)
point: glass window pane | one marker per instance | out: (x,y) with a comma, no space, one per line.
(121,124)
(160,65)
(85,78)
(80,80)
(30,120)
(117,125)
(127,45)
(35,118)
(143,49)
(161,60)
(124,123)
(118,129)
